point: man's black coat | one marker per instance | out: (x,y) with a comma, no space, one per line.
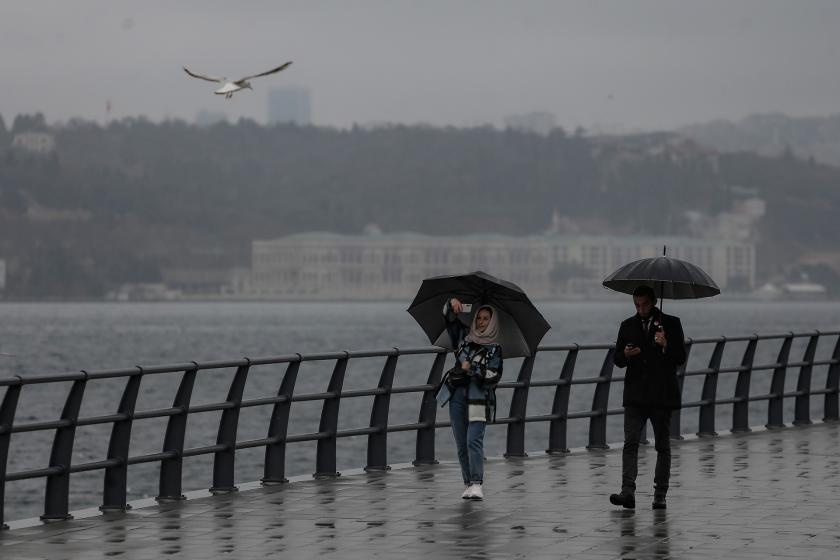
(651,378)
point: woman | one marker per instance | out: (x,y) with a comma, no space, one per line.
(479,357)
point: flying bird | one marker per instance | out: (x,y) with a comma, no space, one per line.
(232,86)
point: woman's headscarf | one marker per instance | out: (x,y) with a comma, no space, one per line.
(490,332)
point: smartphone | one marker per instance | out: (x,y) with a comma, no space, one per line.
(466,307)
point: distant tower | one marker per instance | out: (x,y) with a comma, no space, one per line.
(289,105)
(554,228)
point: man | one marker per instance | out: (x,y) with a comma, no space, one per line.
(651,346)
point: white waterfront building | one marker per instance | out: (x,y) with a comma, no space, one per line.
(392,266)
(34,142)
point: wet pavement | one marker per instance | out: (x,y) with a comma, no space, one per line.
(767,494)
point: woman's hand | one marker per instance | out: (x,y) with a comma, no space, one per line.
(456,305)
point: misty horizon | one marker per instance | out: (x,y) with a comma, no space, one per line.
(646,65)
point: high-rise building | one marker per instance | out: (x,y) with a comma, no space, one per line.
(289,105)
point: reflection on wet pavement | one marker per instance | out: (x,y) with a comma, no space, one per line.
(766,494)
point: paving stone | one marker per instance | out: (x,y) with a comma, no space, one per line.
(764,494)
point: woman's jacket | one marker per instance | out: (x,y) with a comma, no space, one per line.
(486,364)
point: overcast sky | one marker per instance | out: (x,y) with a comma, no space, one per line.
(621,63)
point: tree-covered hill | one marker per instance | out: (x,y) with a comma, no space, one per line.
(117,203)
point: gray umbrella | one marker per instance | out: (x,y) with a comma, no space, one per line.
(521,326)
(670,278)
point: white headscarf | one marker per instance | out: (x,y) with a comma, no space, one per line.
(490,332)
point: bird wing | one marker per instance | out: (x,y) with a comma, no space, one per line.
(272,71)
(203,77)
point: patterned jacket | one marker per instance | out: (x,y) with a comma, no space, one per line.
(486,361)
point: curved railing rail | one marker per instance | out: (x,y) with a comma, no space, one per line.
(173,452)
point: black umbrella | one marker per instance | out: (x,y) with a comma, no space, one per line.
(521,326)
(670,278)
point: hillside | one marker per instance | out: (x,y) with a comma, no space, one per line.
(773,135)
(117,204)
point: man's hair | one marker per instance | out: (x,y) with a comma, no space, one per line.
(645,291)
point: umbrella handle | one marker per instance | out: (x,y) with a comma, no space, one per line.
(662,295)
(662,284)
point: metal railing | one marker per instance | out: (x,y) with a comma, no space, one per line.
(173,452)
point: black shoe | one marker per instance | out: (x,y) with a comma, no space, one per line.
(659,502)
(625,499)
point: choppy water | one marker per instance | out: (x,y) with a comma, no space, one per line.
(53,338)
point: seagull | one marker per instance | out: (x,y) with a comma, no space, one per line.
(232,86)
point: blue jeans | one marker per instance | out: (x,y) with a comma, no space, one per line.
(469,438)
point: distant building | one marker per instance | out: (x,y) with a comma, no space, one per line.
(740,223)
(199,281)
(539,122)
(804,290)
(34,142)
(289,105)
(143,292)
(391,266)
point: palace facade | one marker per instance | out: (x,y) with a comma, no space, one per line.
(392,266)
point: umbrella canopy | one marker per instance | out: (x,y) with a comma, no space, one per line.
(521,326)
(670,278)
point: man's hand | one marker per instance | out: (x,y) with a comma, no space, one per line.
(659,338)
(456,305)
(630,351)
(466,366)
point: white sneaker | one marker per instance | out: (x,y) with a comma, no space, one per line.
(476,493)
(467,492)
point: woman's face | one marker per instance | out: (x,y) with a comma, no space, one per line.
(483,319)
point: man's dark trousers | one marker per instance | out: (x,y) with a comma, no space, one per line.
(634,422)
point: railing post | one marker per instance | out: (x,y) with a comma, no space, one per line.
(518,410)
(425,447)
(600,402)
(707,411)
(325,457)
(676,416)
(58,485)
(116,477)
(171,468)
(775,405)
(274,471)
(560,406)
(802,407)
(7,419)
(832,385)
(740,409)
(377,451)
(224,462)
